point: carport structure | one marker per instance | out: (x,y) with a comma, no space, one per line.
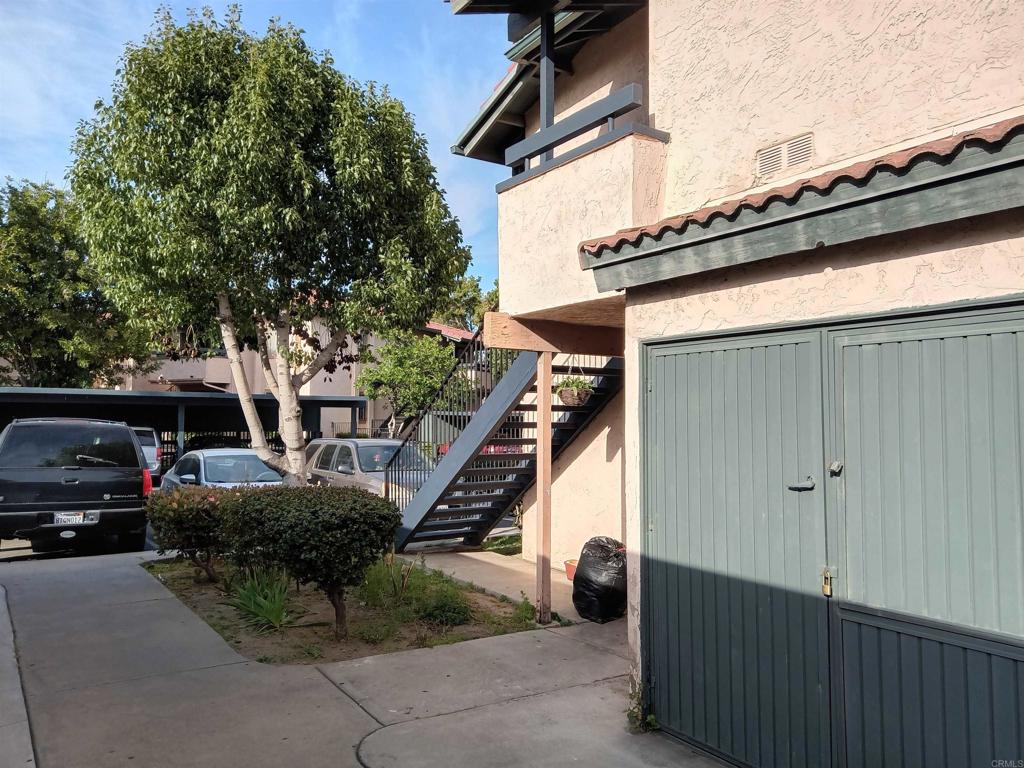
(177,413)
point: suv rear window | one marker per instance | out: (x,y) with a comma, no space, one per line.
(146,437)
(61,444)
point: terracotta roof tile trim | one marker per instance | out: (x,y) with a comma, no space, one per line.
(944,148)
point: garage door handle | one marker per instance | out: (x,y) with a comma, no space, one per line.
(69,480)
(806,485)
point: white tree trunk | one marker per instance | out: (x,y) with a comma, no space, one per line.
(289,412)
(252,418)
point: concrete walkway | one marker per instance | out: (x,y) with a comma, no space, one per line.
(502,575)
(117,672)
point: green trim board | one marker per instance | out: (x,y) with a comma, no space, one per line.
(978,180)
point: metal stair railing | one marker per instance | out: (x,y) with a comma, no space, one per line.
(476,372)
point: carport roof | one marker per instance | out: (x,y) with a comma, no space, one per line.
(136,397)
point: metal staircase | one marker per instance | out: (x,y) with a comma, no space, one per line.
(469,457)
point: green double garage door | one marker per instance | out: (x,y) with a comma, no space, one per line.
(880,462)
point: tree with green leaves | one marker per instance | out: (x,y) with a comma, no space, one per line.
(57,328)
(243,179)
(406,373)
(465,306)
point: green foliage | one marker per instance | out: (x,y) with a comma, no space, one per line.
(322,535)
(505,545)
(376,632)
(465,306)
(231,163)
(525,614)
(407,372)
(261,596)
(447,607)
(639,718)
(576,383)
(396,585)
(189,519)
(60,330)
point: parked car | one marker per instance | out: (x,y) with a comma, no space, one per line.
(69,482)
(149,439)
(221,468)
(358,462)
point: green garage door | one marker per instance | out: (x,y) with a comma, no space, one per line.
(737,625)
(893,453)
(931,615)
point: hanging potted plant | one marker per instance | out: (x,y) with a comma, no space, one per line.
(574,390)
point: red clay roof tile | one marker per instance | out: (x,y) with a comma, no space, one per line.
(896,161)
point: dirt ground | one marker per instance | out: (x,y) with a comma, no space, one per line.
(311,639)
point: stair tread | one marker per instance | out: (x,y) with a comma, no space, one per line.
(533,425)
(485,485)
(474,498)
(586,370)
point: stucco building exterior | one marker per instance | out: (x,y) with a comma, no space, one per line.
(803,223)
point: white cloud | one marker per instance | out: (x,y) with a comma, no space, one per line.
(56,59)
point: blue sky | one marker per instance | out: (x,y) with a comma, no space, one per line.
(57,58)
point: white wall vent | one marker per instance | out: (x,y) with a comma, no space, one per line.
(778,157)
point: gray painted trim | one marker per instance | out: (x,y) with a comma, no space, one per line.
(619,132)
(549,136)
(979,306)
(978,180)
(492,414)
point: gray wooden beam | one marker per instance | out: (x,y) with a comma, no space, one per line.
(979,180)
(613,105)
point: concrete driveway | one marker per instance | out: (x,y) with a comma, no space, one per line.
(116,672)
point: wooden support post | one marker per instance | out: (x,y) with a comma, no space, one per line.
(547,75)
(544,488)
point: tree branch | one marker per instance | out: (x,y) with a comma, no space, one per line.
(252,418)
(317,364)
(268,371)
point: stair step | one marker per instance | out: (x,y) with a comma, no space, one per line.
(474,498)
(558,407)
(453,522)
(486,485)
(489,509)
(442,535)
(510,441)
(586,370)
(533,425)
(497,471)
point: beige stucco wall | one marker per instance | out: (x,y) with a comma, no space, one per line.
(736,77)
(971,259)
(726,79)
(541,221)
(587,496)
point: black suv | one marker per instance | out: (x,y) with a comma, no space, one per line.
(65,482)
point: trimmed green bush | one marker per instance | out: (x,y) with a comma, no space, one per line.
(318,534)
(188,519)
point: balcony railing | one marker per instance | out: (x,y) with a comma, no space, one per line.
(603,112)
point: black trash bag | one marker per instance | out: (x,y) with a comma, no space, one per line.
(599,586)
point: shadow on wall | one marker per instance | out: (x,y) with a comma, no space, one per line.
(743,668)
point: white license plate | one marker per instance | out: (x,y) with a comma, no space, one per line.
(68,518)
